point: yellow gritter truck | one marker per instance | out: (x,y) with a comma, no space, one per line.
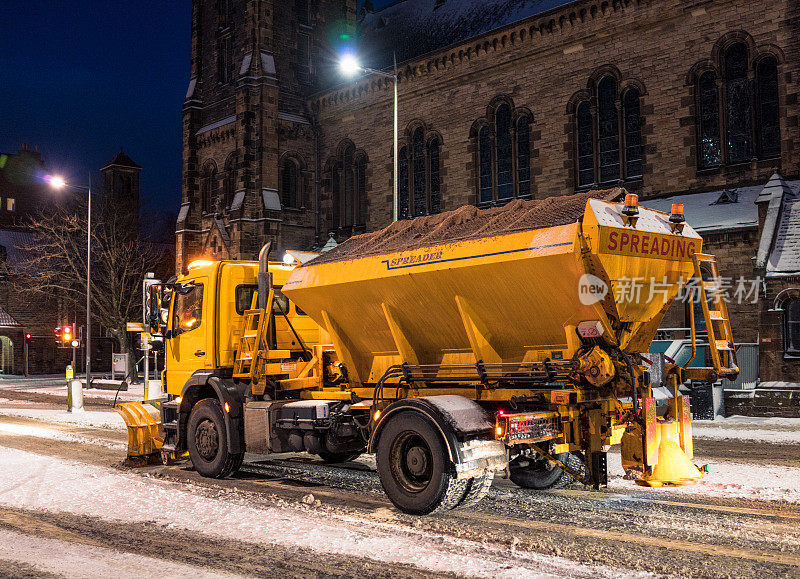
(453,347)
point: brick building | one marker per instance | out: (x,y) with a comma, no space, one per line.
(497,100)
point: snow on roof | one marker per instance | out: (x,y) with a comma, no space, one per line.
(784,259)
(416,27)
(216,125)
(713,210)
(6,321)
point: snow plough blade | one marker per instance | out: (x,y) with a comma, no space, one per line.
(144,437)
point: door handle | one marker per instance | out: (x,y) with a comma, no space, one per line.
(199,353)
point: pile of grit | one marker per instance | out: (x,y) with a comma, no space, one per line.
(467,222)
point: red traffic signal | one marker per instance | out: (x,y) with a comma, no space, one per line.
(28,338)
(63,334)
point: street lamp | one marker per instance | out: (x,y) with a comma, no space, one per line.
(349,65)
(59,183)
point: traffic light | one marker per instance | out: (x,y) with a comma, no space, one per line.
(63,335)
(28,338)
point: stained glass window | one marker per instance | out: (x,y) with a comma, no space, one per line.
(418,156)
(485,162)
(585,144)
(633,134)
(769,128)
(435,190)
(361,186)
(208,187)
(402,184)
(608,129)
(524,156)
(289,180)
(349,185)
(336,197)
(505,164)
(737,105)
(709,153)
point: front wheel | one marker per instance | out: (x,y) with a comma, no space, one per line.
(414,467)
(207,438)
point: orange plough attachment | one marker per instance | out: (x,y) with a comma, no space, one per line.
(145,438)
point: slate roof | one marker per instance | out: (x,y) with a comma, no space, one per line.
(416,27)
(704,213)
(6,320)
(784,259)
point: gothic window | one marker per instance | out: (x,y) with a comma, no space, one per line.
(361,190)
(349,188)
(524,156)
(709,153)
(303,57)
(485,163)
(609,136)
(504,156)
(791,327)
(608,129)
(769,131)
(585,144)
(290,184)
(208,187)
(633,134)
(737,105)
(225,59)
(418,156)
(402,184)
(505,172)
(229,180)
(435,184)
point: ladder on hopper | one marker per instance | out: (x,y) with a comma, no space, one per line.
(244,364)
(718,325)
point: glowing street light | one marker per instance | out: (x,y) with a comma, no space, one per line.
(59,183)
(349,66)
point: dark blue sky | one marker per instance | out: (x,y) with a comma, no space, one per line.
(82,78)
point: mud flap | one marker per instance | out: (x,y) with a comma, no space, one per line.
(144,437)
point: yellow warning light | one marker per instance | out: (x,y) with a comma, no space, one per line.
(227,407)
(199,263)
(499,431)
(376,415)
(178,400)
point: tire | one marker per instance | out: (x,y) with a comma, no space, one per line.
(207,439)
(477,489)
(337,457)
(414,467)
(539,474)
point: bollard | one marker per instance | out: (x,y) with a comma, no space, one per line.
(75,396)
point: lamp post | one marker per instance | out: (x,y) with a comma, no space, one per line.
(349,66)
(59,183)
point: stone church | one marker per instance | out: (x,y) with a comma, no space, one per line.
(500,99)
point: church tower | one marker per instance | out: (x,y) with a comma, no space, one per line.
(249,165)
(121,187)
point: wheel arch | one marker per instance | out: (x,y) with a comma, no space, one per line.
(205,384)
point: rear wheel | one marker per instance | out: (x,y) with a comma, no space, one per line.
(536,472)
(207,439)
(414,467)
(477,489)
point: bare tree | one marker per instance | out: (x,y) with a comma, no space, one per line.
(55,265)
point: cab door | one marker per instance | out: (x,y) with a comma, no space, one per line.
(188,349)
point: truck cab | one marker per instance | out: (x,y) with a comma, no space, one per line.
(206,313)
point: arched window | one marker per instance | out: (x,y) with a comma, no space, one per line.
(738,113)
(524,156)
(349,187)
(229,180)
(435,183)
(402,185)
(418,156)
(708,151)
(633,133)
(208,187)
(505,171)
(361,190)
(585,144)
(791,326)
(485,164)
(290,184)
(769,130)
(608,129)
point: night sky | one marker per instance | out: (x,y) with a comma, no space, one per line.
(82,78)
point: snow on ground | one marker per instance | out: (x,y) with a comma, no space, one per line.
(40,432)
(134,391)
(89,418)
(752,428)
(33,481)
(80,560)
